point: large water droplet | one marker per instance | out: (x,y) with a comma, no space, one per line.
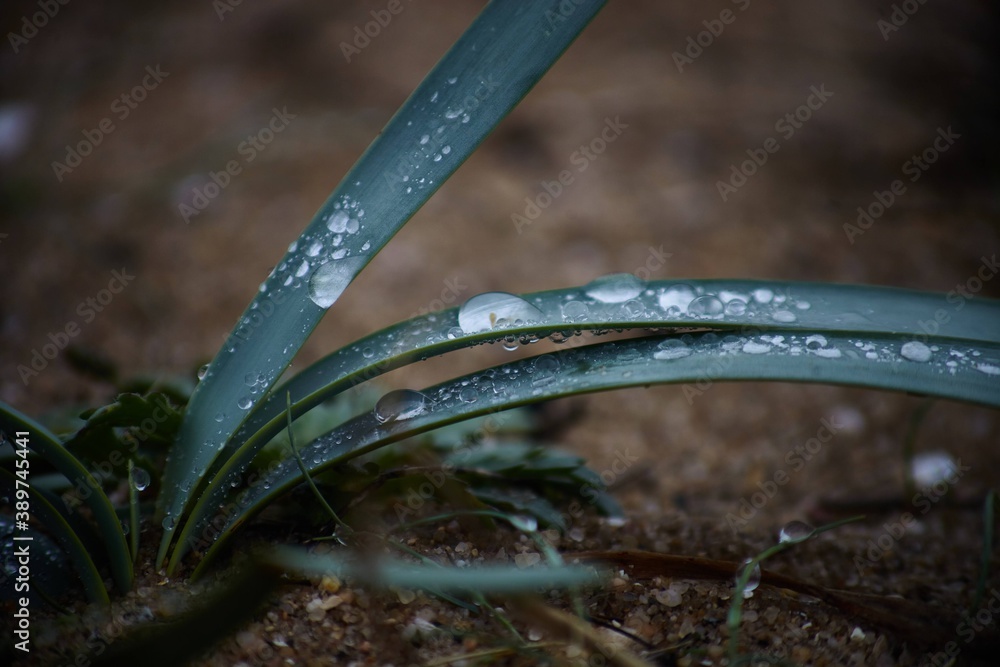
(140,478)
(483,311)
(677,296)
(168,523)
(707,305)
(916,351)
(401,404)
(783,316)
(329,280)
(763,295)
(795,531)
(615,288)
(338,222)
(575,311)
(673,348)
(244,403)
(753,582)
(736,307)
(753,347)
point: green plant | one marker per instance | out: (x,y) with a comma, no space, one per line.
(857,335)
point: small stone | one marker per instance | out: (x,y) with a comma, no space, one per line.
(329,584)
(526,560)
(857,635)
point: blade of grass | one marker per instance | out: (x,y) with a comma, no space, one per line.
(989,519)
(833,308)
(627,364)
(48,447)
(501,56)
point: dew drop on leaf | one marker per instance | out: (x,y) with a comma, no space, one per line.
(401,404)
(916,351)
(707,305)
(753,582)
(672,348)
(795,531)
(485,311)
(615,288)
(140,478)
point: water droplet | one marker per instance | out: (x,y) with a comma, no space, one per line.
(753,347)
(816,341)
(736,307)
(338,222)
(707,305)
(929,468)
(783,316)
(250,379)
(753,582)
(989,369)
(455,332)
(202,372)
(368,352)
(168,523)
(575,311)
(401,404)
(468,395)
(634,308)
(445,150)
(315,249)
(615,288)
(329,280)
(244,403)
(763,295)
(220,416)
(140,478)
(452,113)
(795,531)
(672,348)
(353,226)
(485,311)
(916,351)
(803,305)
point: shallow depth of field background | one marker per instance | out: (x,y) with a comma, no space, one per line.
(654,187)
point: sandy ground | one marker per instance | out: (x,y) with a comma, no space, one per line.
(886,95)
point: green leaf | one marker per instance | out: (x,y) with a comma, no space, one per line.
(501,56)
(815,308)
(700,359)
(47,445)
(384,573)
(64,535)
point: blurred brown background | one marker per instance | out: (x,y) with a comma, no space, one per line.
(656,185)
